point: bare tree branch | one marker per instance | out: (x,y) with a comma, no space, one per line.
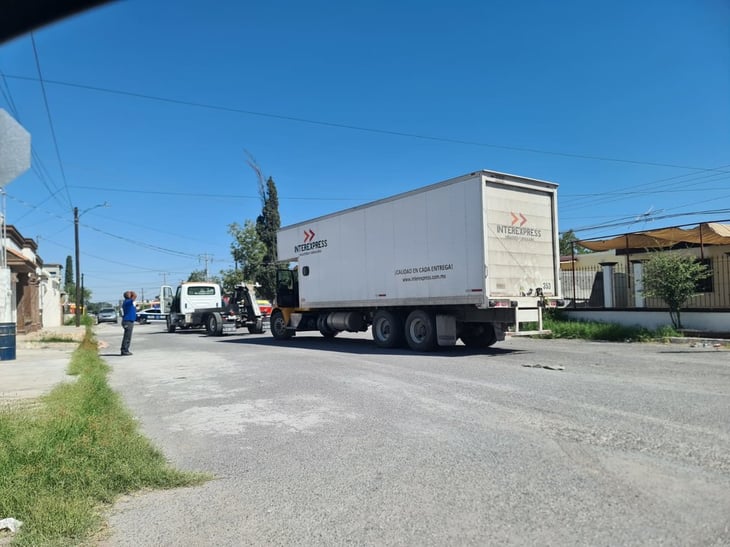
(253,164)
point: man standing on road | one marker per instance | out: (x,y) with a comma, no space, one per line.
(129,316)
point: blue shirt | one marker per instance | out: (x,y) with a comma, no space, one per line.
(129,312)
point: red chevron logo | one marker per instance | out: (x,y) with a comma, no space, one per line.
(308,235)
(518,218)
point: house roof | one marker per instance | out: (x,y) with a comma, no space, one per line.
(18,262)
(708,233)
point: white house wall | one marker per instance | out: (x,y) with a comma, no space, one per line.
(693,320)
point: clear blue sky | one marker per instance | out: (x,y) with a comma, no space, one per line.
(625,104)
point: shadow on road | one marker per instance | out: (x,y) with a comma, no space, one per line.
(357,346)
(340,344)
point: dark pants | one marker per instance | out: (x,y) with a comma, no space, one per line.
(128,326)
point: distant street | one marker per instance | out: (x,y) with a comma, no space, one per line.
(317,442)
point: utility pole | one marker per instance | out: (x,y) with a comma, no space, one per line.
(78,267)
(206,257)
(77,311)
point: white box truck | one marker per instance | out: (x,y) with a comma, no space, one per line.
(468,258)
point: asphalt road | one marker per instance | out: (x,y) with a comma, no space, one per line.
(316,442)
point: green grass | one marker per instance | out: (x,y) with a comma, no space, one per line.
(56,338)
(594,330)
(62,460)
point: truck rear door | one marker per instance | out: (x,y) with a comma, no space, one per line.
(521,239)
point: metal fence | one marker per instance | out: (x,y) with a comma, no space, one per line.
(585,287)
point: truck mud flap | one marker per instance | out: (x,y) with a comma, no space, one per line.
(445,330)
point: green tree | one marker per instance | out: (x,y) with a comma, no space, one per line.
(267,225)
(197,276)
(673,278)
(567,246)
(200,277)
(269,221)
(68,276)
(248,251)
(69,283)
(230,278)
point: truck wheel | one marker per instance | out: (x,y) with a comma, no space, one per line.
(170,325)
(278,326)
(258,328)
(420,330)
(478,335)
(214,324)
(387,329)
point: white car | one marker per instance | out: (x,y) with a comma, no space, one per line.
(150,314)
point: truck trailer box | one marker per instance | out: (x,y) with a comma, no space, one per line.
(481,237)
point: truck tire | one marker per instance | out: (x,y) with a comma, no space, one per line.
(478,335)
(170,324)
(258,328)
(387,329)
(278,326)
(214,324)
(420,330)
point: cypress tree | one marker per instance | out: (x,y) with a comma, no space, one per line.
(267,224)
(69,284)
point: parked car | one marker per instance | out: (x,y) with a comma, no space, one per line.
(107,315)
(150,314)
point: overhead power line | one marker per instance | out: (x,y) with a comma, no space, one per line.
(646,188)
(634,219)
(150,246)
(694,180)
(204,195)
(220,108)
(50,118)
(37,164)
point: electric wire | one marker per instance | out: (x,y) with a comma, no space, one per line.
(353,127)
(600,198)
(647,188)
(206,195)
(658,217)
(150,246)
(105,259)
(37,164)
(50,118)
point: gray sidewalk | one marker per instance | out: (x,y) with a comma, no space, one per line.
(38,366)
